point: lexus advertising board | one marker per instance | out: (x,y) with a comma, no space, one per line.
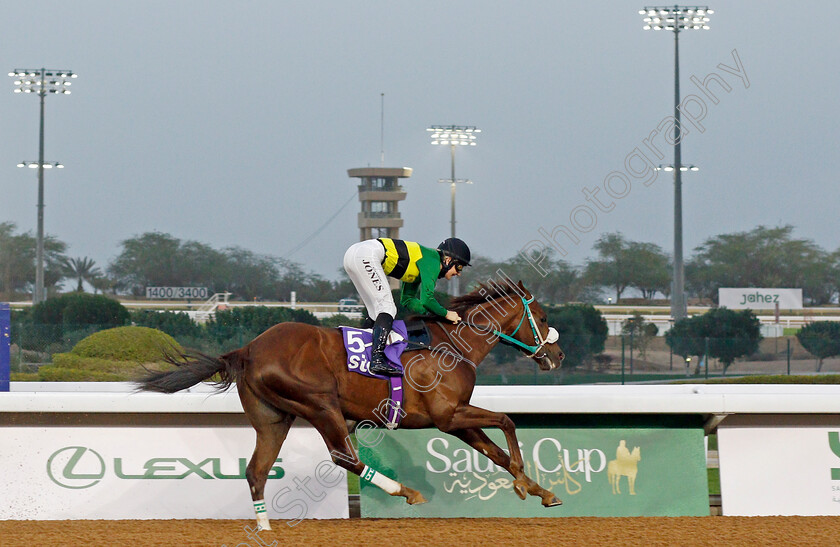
(161,473)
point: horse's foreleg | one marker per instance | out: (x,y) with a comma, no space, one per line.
(333,429)
(473,418)
(477,439)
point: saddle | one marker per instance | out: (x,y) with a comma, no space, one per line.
(419,336)
(410,336)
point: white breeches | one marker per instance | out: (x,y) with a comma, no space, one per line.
(363,263)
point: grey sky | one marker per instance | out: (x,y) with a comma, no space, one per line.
(234,123)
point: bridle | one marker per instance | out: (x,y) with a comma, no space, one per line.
(508,339)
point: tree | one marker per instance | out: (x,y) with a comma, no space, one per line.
(62,318)
(156,259)
(236,326)
(833,275)
(640,332)
(730,335)
(253,276)
(611,269)
(17,260)
(582,330)
(81,269)
(595,324)
(762,257)
(175,324)
(684,337)
(821,339)
(650,270)
(622,264)
(149,260)
(203,266)
(549,278)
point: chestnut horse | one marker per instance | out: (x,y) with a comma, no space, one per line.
(299,370)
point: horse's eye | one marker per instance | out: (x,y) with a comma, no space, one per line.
(543,320)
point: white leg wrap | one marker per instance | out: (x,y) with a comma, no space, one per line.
(388,485)
(262,516)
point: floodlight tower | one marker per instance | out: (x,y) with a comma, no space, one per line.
(677,18)
(41,81)
(453,135)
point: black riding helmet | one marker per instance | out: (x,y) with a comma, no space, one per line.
(456,249)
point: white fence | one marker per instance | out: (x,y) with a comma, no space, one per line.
(184,447)
(708,400)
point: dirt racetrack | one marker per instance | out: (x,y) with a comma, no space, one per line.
(589,531)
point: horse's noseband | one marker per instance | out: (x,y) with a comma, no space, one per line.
(551,337)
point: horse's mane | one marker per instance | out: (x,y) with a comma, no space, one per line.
(485,292)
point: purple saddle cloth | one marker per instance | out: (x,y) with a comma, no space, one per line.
(358,344)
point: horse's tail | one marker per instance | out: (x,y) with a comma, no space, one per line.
(194,367)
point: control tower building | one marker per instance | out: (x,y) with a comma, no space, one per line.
(380,194)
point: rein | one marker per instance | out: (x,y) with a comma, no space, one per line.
(508,339)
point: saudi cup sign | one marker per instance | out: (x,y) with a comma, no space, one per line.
(760,299)
(596,472)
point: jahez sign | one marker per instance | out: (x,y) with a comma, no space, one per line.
(760,299)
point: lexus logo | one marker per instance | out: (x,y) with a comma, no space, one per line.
(76,467)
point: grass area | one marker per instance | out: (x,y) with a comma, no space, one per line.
(714,481)
(768,379)
(551,378)
(599,378)
(352,484)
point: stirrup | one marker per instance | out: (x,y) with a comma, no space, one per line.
(384,367)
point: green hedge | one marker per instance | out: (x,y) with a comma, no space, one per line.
(139,344)
(59,319)
(173,323)
(72,361)
(111,355)
(51,373)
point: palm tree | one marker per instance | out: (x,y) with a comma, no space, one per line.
(81,269)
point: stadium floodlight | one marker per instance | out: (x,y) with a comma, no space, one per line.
(463,135)
(676,19)
(41,81)
(683,168)
(35,164)
(453,135)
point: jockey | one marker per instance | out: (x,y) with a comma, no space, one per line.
(417,267)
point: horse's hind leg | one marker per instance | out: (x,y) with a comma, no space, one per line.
(477,439)
(333,428)
(272,426)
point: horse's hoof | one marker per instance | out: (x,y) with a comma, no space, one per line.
(416,499)
(520,488)
(553,502)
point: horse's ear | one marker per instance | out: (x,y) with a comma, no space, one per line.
(523,289)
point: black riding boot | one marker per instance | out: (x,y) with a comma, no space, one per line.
(379,364)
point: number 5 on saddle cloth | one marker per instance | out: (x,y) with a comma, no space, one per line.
(358,342)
